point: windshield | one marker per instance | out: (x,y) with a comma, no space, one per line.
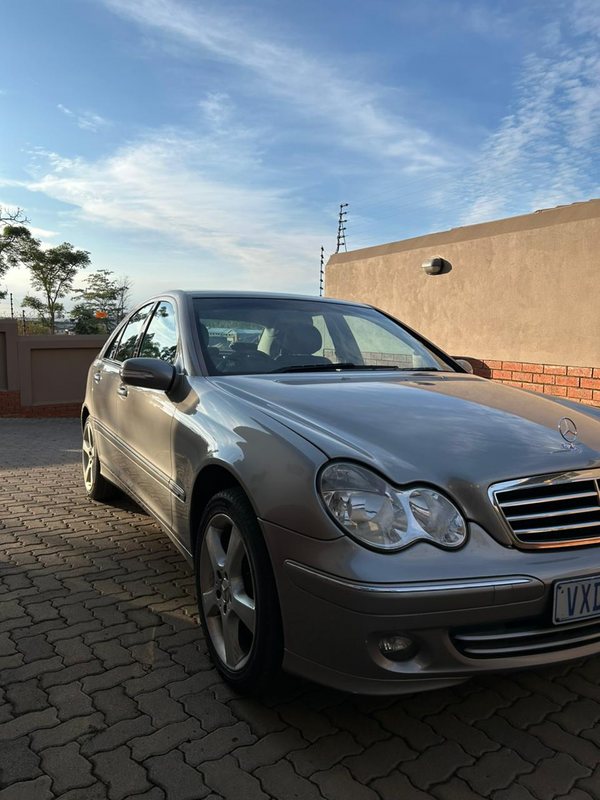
(246,335)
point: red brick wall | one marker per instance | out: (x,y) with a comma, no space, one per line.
(10,406)
(575,383)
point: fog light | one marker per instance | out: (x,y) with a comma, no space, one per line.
(397,648)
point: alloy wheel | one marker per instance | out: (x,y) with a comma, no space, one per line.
(227,591)
(88,454)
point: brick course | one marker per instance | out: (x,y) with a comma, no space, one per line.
(581,384)
(10,406)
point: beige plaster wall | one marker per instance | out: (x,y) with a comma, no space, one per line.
(521,289)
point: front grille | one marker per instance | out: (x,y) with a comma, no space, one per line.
(554,511)
(525,639)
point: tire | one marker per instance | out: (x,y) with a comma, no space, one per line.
(97,487)
(237,592)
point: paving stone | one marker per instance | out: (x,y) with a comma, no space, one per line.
(436,764)
(282,783)
(70,701)
(179,781)
(338,784)
(27,696)
(35,647)
(529,711)
(269,749)
(311,724)
(28,671)
(470,738)
(154,679)
(555,776)
(39,789)
(67,768)
(115,705)
(73,651)
(27,723)
(418,734)
(162,709)
(528,747)
(495,771)
(578,716)
(262,720)
(112,677)
(116,735)
(562,741)
(228,780)
(151,654)
(397,786)
(379,759)
(18,762)
(121,774)
(69,731)
(96,791)
(217,744)
(76,672)
(166,739)
(112,654)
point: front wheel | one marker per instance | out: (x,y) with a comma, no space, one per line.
(237,596)
(96,485)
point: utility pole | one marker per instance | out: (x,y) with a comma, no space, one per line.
(322,272)
(12,311)
(341,234)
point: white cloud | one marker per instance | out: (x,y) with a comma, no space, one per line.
(204,195)
(349,112)
(87,120)
(545,153)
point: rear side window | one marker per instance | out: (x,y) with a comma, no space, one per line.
(160,339)
(126,346)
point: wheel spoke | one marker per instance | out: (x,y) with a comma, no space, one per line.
(233,651)
(210,603)
(215,550)
(235,553)
(244,608)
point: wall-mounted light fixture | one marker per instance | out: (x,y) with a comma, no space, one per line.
(433,266)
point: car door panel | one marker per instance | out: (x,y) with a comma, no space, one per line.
(144,422)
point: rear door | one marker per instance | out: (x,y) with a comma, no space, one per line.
(145,417)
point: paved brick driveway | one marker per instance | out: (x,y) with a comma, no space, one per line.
(106,689)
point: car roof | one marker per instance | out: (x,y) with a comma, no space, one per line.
(258,295)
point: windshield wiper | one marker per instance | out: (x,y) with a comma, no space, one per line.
(350,365)
(330,367)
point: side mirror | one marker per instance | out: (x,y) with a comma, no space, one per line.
(149,373)
(466,365)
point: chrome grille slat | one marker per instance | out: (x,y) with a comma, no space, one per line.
(521,641)
(550,499)
(545,514)
(551,511)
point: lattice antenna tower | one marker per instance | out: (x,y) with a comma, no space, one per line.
(322,272)
(341,234)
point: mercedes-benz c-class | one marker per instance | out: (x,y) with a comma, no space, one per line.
(358,507)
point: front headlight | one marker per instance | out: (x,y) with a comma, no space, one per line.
(385,518)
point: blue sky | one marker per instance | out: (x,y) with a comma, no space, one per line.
(208,145)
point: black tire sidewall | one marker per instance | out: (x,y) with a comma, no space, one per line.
(267,648)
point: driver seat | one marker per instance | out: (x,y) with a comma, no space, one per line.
(298,343)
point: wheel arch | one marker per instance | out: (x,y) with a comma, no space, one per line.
(211,479)
(85,412)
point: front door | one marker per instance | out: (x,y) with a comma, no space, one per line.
(145,418)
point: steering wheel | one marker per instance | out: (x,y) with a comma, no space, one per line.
(236,361)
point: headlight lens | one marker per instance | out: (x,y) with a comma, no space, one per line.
(386,518)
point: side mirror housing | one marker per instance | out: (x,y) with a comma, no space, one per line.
(149,373)
(466,365)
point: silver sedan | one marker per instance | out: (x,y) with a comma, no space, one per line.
(359,508)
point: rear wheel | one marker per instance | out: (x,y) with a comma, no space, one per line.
(237,596)
(96,485)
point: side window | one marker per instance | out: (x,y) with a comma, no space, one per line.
(126,347)
(160,339)
(111,350)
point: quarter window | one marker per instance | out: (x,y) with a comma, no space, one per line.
(126,347)
(160,339)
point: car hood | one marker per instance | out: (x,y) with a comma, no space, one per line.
(454,430)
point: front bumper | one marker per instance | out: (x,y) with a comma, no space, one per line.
(453,605)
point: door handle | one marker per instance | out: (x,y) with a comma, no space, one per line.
(122,390)
(97,377)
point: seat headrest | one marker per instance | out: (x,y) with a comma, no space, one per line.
(204,335)
(301,339)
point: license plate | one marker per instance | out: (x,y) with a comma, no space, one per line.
(576,599)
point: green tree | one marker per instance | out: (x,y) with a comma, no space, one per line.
(101,293)
(13,238)
(52,274)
